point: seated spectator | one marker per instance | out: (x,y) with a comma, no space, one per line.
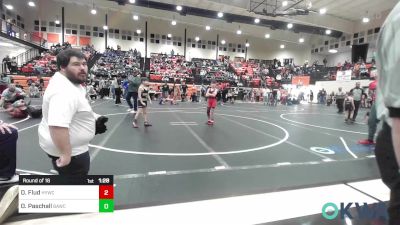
(34,91)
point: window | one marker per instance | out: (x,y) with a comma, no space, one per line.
(316,50)
(152,35)
(355,35)
(101,34)
(326,42)
(74,32)
(348,43)
(336,45)
(193,45)
(95,29)
(370,32)
(129,38)
(361,40)
(141,39)
(377,30)
(43,29)
(179,43)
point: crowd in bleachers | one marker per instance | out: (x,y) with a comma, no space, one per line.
(165,67)
(117,63)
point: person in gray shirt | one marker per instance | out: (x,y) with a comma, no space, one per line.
(133,86)
(357,95)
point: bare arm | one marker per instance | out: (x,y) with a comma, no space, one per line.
(60,138)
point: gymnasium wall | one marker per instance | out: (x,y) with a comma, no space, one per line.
(76,15)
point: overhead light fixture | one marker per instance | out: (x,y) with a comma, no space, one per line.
(282,46)
(132,1)
(223,42)
(267,35)
(328,32)
(333,51)
(239,31)
(256,20)
(365,20)
(9,7)
(322,11)
(247,45)
(197,38)
(93,11)
(105,27)
(173,22)
(208,28)
(301,40)
(220,14)
(284,3)
(290,25)
(57,21)
(31,4)
(179,8)
(309,6)
(169,35)
(138,31)
(135,17)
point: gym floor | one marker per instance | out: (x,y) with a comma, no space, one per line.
(250,149)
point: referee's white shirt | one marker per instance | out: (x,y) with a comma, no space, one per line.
(65,105)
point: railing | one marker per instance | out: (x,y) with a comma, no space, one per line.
(17,32)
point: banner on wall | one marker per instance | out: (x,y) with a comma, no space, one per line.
(301,80)
(83,41)
(343,75)
(53,38)
(71,39)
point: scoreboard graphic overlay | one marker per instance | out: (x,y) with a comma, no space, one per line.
(60,194)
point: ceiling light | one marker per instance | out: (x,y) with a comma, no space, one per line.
(173,22)
(282,46)
(301,40)
(105,27)
(10,7)
(208,28)
(328,32)
(247,45)
(223,42)
(284,3)
(93,11)
(197,38)
(135,17)
(290,26)
(267,35)
(256,20)
(31,4)
(132,1)
(309,6)
(138,31)
(365,20)
(239,32)
(220,14)
(179,8)
(332,50)
(57,21)
(322,11)
(169,35)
